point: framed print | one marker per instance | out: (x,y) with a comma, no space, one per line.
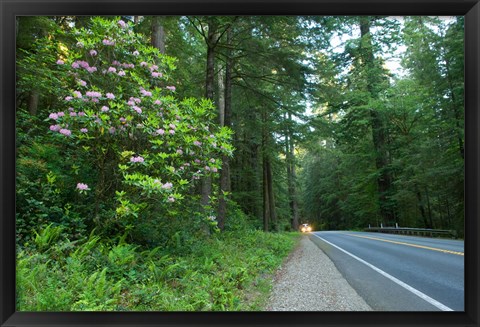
(172,163)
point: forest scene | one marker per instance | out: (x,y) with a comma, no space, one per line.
(166,163)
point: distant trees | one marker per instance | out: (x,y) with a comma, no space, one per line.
(391,147)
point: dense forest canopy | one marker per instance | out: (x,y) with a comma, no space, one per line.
(144,126)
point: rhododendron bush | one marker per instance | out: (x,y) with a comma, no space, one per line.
(120,116)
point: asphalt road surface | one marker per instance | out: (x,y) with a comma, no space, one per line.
(399,273)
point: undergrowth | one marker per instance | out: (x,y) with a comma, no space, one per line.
(228,271)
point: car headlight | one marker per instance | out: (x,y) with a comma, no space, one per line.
(309,229)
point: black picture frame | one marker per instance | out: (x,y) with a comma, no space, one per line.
(10,8)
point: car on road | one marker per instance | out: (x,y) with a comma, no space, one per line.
(305,228)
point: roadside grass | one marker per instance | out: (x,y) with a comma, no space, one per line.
(229,271)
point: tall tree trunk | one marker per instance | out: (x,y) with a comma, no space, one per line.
(271,195)
(430,218)
(158,34)
(421,206)
(456,112)
(33,99)
(221,94)
(211,41)
(269,211)
(384,180)
(266,197)
(291,176)
(225,120)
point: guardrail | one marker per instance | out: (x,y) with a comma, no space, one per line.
(413,231)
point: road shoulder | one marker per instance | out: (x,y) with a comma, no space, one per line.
(309,281)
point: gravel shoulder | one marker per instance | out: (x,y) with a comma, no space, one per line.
(309,281)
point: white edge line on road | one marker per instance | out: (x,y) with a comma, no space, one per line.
(393,279)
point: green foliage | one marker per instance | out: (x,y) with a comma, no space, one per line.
(95,275)
(125,150)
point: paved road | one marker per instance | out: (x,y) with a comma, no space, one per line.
(399,273)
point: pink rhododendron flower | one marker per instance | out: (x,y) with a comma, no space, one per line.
(158,102)
(197,143)
(136,53)
(197,161)
(143,64)
(83,64)
(111,130)
(212,160)
(53,116)
(112,70)
(171,88)
(104,109)
(65,132)
(171,132)
(155,74)
(82,187)
(77,94)
(160,131)
(171,199)
(81,114)
(92,69)
(82,82)
(60,114)
(73,114)
(146,93)
(214,169)
(108,42)
(137,109)
(93,94)
(93,53)
(167,186)
(122,24)
(75,65)
(55,128)
(122,119)
(116,63)
(180,151)
(154,67)
(172,126)
(84,130)
(110,96)
(80,44)
(121,73)
(137,159)
(60,62)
